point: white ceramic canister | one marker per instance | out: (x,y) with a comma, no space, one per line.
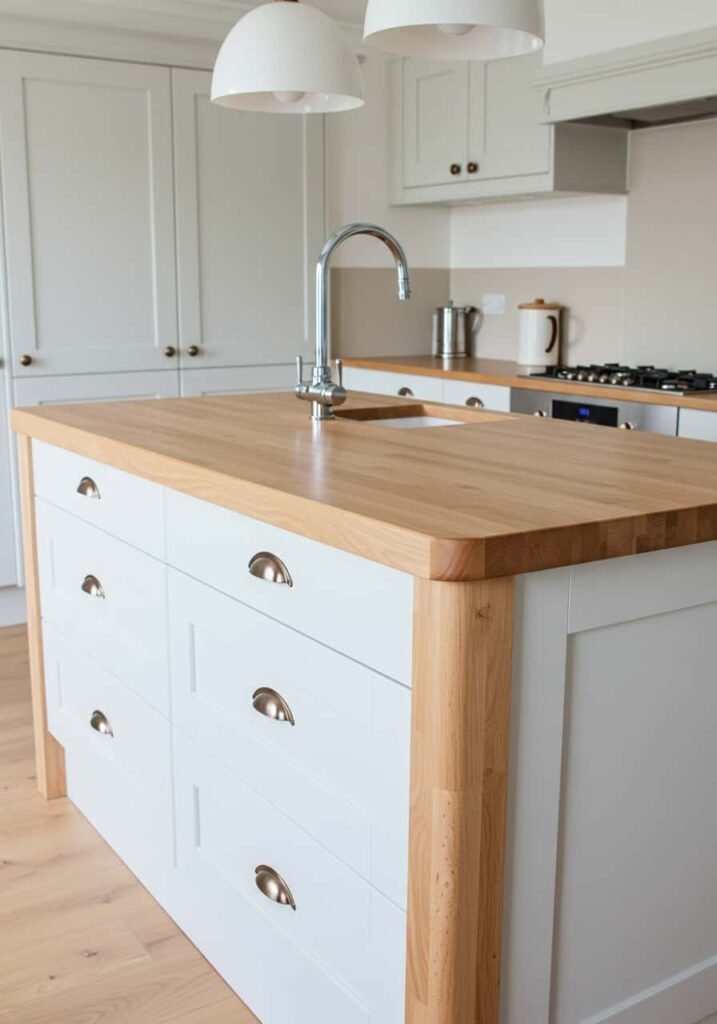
(539,341)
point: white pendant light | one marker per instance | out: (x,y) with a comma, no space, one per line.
(455,29)
(287,58)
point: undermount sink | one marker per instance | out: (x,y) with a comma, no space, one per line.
(406,422)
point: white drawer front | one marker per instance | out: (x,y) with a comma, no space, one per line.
(121,782)
(341,771)
(354,935)
(486,396)
(126,630)
(126,506)
(406,385)
(358,607)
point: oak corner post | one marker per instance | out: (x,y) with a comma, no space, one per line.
(49,755)
(462,669)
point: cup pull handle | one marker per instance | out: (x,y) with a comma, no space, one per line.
(100,723)
(92,586)
(475,403)
(265,566)
(272,705)
(405,393)
(272,885)
(88,488)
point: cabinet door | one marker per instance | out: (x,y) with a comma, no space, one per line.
(238,379)
(481,396)
(8,561)
(249,201)
(435,122)
(506,137)
(110,387)
(701,426)
(86,150)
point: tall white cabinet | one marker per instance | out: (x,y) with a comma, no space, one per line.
(154,245)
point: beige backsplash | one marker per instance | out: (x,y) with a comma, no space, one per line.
(369,320)
(592,321)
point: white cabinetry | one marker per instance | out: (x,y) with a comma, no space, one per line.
(87,185)
(476,131)
(8,559)
(699,425)
(165,694)
(404,385)
(249,204)
(481,396)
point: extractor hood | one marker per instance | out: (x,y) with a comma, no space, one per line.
(668,81)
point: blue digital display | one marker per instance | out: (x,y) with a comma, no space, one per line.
(585,413)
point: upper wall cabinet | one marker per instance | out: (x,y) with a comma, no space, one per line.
(249,227)
(89,218)
(464,132)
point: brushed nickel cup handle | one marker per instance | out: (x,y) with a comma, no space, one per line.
(100,723)
(272,885)
(92,587)
(272,705)
(405,393)
(475,403)
(88,488)
(267,567)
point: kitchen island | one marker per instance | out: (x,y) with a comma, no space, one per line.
(398,724)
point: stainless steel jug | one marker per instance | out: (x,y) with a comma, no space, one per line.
(453,329)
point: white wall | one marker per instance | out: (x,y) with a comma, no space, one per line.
(576,28)
(358,182)
(582,232)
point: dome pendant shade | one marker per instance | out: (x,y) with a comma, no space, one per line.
(455,29)
(287,58)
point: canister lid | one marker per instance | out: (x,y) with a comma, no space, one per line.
(540,304)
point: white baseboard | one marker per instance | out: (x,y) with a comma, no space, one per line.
(12,606)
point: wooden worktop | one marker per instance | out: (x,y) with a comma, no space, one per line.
(496,496)
(506,374)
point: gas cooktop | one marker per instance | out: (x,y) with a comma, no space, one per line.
(642,378)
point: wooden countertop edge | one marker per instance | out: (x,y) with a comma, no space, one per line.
(418,554)
(703,403)
(407,551)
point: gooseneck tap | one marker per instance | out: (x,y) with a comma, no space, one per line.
(321,391)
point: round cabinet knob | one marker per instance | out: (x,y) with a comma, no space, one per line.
(405,393)
(193,351)
(100,723)
(25,360)
(473,167)
(88,488)
(627,426)
(272,885)
(170,351)
(92,587)
(541,414)
(456,169)
(271,704)
(475,403)
(267,567)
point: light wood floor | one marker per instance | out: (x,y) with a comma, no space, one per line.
(81,942)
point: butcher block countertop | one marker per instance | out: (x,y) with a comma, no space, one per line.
(506,374)
(496,495)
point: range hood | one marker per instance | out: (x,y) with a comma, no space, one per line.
(668,81)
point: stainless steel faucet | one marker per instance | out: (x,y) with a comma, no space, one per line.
(321,391)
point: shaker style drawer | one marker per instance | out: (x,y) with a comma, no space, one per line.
(358,607)
(109,598)
(126,506)
(479,396)
(321,737)
(119,755)
(404,385)
(310,941)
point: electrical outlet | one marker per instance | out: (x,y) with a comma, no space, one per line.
(493,305)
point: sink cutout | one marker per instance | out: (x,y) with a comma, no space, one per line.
(406,422)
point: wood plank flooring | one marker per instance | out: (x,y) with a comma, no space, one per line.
(81,942)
